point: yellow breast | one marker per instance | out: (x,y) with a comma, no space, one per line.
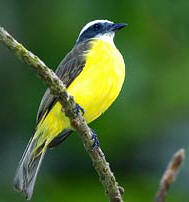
(94,89)
(100,82)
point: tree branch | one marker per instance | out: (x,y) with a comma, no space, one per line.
(170,175)
(58,89)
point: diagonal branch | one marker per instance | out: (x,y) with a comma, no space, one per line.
(58,89)
(170,175)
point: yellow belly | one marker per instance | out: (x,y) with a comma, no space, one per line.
(96,87)
(101,80)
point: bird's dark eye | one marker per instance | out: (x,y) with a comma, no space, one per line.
(97,27)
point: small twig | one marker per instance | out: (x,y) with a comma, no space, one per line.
(58,89)
(170,175)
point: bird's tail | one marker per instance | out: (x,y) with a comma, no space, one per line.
(28,168)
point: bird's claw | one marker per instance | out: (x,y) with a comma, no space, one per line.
(79,109)
(96,142)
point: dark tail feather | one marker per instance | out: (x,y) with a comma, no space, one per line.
(60,138)
(28,168)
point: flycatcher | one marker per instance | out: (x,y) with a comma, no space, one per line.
(93,73)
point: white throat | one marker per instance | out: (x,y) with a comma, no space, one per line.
(108,37)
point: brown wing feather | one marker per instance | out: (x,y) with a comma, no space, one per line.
(67,71)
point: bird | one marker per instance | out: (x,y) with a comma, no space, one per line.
(93,73)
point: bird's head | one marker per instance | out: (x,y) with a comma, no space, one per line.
(99,29)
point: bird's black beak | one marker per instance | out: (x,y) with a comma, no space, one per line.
(117,26)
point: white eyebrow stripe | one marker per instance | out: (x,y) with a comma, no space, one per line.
(92,23)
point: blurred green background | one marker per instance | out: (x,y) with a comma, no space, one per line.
(143,128)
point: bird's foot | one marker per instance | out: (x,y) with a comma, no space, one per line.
(79,109)
(95,138)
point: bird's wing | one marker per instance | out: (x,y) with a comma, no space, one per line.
(67,71)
